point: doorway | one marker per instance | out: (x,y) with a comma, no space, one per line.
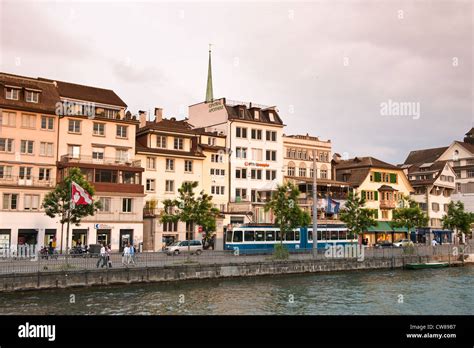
(103,237)
(126,236)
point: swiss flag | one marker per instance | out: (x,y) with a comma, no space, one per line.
(79,195)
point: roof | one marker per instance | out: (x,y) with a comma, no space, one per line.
(212,147)
(433,168)
(468,146)
(386,188)
(140,148)
(49,95)
(248,114)
(88,93)
(169,125)
(425,155)
(364,162)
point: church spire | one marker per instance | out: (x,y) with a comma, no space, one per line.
(209,93)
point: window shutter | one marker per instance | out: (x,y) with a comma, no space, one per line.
(376,195)
(363,194)
(377,177)
(393,178)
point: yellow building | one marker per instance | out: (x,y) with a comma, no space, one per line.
(383,185)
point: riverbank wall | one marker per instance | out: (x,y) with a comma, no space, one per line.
(193,271)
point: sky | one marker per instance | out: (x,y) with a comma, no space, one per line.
(377,78)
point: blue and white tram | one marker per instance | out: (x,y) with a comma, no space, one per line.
(252,238)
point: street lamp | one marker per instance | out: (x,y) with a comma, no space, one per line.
(315,204)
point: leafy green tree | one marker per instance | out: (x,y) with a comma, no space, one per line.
(57,203)
(457,219)
(357,218)
(288,215)
(409,215)
(191,209)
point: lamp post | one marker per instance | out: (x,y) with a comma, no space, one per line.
(315,205)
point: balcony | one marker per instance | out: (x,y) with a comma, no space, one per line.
(240,207)
(30,181)
(387,204)
(108,161)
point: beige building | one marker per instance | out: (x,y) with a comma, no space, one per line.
(383,185)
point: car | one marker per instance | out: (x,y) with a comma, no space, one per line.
(403,243)
(384,244)
(192,246)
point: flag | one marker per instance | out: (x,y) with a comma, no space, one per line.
(332,206)
(79,195)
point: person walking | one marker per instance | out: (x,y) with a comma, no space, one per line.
(126,255)
(109,261)
(103,257)
(132,254)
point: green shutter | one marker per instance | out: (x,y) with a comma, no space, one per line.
(376,195)
(377,177)
(363,194)
(376,214)
(393,178)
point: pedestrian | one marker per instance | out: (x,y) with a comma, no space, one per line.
(132,254)
(109,261)
(126,254)
(434,242)
(103,257)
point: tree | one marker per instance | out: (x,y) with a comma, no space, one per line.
(57,203)
(288,215)
(457,219)
(409,215)
(357,218)
(189,209)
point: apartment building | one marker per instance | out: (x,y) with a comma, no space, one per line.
(383,185)
(298,168)
(168,150)
(28,153)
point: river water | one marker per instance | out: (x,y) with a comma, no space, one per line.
(435,291)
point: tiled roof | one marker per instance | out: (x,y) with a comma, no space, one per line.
(169,125)
(362,162)
(468,146)
(425,156)
(248,114)
(435,168)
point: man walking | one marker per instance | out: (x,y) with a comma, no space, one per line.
(103,257)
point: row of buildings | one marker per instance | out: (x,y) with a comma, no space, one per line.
(236,151)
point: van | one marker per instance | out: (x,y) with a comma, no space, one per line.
(192,246)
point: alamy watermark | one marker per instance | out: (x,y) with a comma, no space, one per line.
(347,251)
(395,108)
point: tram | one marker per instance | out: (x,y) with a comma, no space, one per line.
(253,238)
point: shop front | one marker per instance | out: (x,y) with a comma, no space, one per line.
(126,236)
(79,236)
(5,237)
(49,237)
(425,235)
(27,236)
(383,232)
(103,236)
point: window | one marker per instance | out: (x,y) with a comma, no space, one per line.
(44,174)
(216,171)
(271,174)
(74,126)
(6,172)
(256,174)
(270,236)
(271,136)
(470,173)
(446,207)
(324,174)
(256,114)
(12,93)
(32,97)
(170,164)
(150,163)
(249,236)
(217,158)
(121,155)
(10,201)
(98,153)
(270,155)
(256,134)
(46,149)
(25,173)
(257,154)
(435,206)
(105,175)
(241,152)
(211,141)
(8,119)
(27,147)
(170,227)
(127,205)
(150,185)
(109,113)
(188,166)
(241,113)
(241,132)
(105,204)
(6,145)
(218,190)
(291,171)
(302,172)
(237,236)
(121,131)
(31,202)
(74,151)
(384,214)
(161,142)
(28,121)
(241,193)
(169,186)
(178,143)
(241,173)
(271,116)
(99,129)
(47,123)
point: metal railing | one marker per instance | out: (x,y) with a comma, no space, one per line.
(116,161)
(27,180)
(12,264)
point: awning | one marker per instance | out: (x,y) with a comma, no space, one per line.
(385,227)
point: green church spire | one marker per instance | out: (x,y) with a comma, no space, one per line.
(209,93)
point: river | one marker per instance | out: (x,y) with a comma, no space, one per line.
(430,291)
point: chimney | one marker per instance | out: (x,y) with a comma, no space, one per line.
(158,115)
(142,118)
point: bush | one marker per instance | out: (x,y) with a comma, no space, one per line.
(281,252)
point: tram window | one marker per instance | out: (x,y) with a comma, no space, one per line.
(278,235)
(270,236)
(290,235)
(342,235)
(228,237)
(259,236)
(249,236)
(320,235)
(350,235)
(310,235)
(297,235)
(237,237)
(333,235)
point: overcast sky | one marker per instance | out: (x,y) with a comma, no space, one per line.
(327,65)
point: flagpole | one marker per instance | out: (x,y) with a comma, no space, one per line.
(71,203)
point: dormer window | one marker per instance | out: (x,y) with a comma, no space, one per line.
(271,116)
(241,113)
(256,115)
(12,93)
(31,96)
